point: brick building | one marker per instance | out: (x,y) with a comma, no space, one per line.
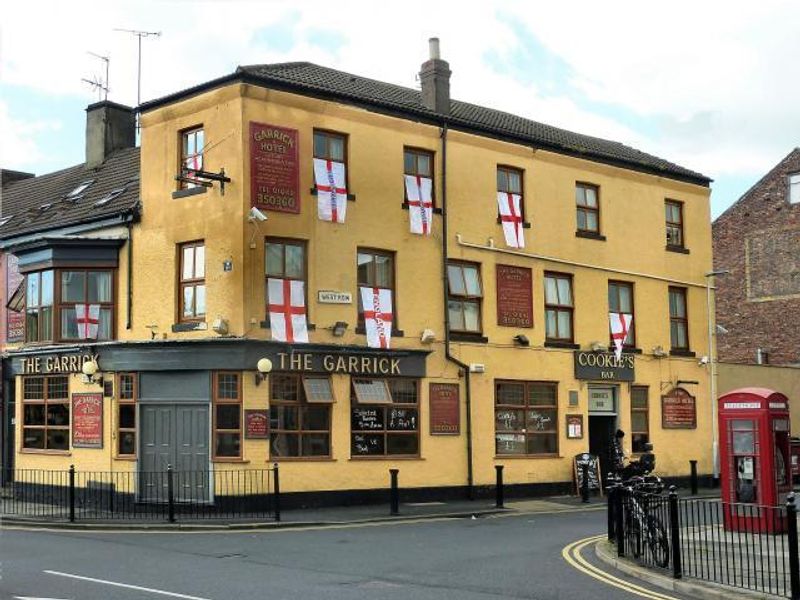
(757,240)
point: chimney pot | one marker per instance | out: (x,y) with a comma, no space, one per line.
(433,48)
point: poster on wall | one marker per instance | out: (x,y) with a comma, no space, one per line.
(514,296)
(15,320)
(256,424)
(574,427)
(678,410)
(444,409)
(87,420)
(274,168)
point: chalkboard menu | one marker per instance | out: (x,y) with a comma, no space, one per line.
(274,168)
(256,424)
(87,420)
(678,410)
(514,296)
(403,419)
(444,409)
(584,458)
(366,444)
(367,419)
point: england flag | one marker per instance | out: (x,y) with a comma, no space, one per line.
(329,177)
(287,310)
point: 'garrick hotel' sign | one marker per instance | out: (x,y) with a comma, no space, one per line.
(604,366)
(54,363)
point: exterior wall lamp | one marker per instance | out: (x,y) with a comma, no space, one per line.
(339,328)
(91,374)
(263,366)
(522,340)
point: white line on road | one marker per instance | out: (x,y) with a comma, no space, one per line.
(125,585)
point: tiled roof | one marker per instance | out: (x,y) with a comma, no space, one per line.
(316,80)
(26,201)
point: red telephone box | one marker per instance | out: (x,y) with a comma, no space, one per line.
(755,466)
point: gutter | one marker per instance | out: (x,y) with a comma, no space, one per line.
(464,368)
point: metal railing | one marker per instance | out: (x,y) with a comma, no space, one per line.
(170,495)
(741,545)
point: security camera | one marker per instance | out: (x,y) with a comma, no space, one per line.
(256,215)
(703,361)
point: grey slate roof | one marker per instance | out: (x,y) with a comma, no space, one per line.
(316,80)
(23,200)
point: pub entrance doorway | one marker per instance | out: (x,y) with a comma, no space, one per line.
(603,402)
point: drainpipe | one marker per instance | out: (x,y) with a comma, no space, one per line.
(130,275)
(461,365)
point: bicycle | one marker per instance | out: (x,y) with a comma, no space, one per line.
(641,525)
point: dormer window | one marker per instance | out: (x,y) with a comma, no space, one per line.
(74,194)
(109,196)
(45,207)
(4,220)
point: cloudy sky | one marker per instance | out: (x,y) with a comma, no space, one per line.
(709,85)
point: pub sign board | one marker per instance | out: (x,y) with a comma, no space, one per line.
(445,409)
(678,410)
(87,420)
(15,320)
(256,424)
(604,366)
(514,296)
(274,168)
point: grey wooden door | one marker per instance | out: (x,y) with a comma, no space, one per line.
(177,435)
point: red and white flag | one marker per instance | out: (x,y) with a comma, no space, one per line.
(329,177)
(287,310)
(88,318)
(377,306)
(511,218)
(420,203)
(620,326)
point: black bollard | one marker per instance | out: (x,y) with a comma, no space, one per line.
(693,478)
(585,483)
(794,560)
(394,494)
(498,490)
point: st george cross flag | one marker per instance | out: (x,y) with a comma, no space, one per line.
(620,326)
(87,316)
(511,217)
(420,203)
(377,305)
(287,310)
(329,177)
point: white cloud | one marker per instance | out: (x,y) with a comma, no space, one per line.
(18,146)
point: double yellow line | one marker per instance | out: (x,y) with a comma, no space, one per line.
(572,554)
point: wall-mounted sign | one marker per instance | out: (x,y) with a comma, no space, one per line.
(600,366)
(444,409)
(256,424)
(601,400)
(274,168)
(383,363)
(54,363)
(678,410)
(332,297)
(514,296)
(15,319)
(87,420)
(574,427)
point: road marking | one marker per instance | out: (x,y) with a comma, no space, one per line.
(35,598)
(572,554)
(125,585)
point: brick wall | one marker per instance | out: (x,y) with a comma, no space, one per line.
(758,240)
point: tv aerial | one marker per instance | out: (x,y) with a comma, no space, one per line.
(98,83)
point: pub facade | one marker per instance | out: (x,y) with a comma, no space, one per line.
(344,276)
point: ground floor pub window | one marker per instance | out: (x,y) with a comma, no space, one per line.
(640,430)
(227,415)
(126,415)
(45,413)
(384,417)
(300,416)
(526,418)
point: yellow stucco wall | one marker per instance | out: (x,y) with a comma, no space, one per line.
(632,219)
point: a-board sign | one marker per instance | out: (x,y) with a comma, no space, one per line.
(584,458)
(87,420)
(256,424)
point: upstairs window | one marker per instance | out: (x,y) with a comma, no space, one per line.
(620,300)
(86,304)
(794,188)
(559,307)
(192,281)
(192,146)
(674,221)
(39,294)
(588,208)
(418,163)
(678,319)
(376,270)
(464,296)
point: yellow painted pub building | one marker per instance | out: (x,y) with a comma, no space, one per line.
(343,276)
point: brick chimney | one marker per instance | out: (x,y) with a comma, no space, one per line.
(109,127)
(435,79)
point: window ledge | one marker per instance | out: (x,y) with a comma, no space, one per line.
(351,197)
(477,338)
(629,350)
(300,459)
(678,249)
(190,326)
(45,452)
(525,224)
(683,353)
(126,457)
(566,345)
(268,325)
(240,461)
(361,330)
(436,209)
(386,457)
(526,456)
(590,235)
(189,192)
